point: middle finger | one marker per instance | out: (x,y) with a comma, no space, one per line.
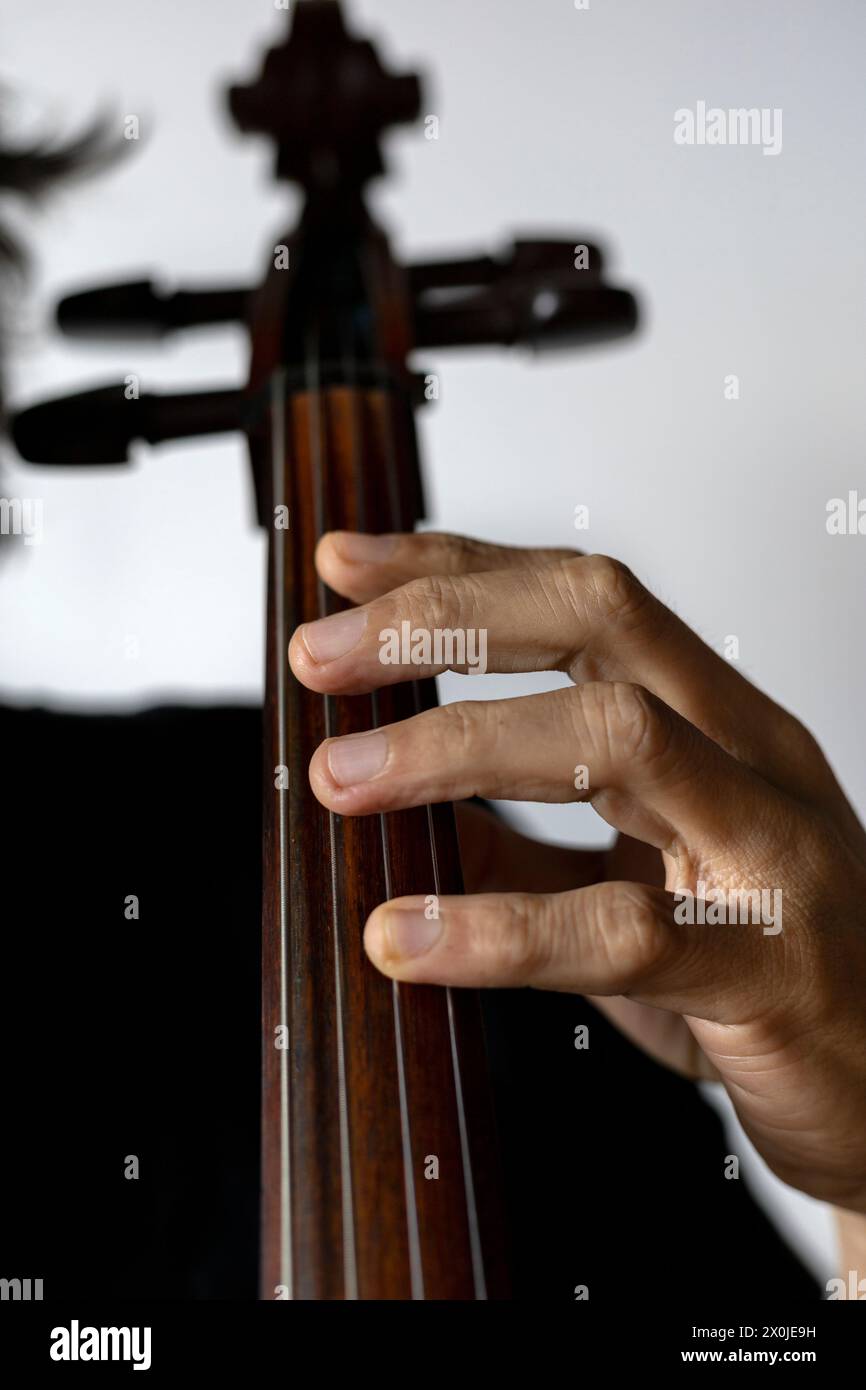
(503,621)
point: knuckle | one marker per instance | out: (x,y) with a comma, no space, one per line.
(434,598)
(464,726)
(601,591)
(634,723)
(611,587)
(522,940)
(800,742)
(460,551)
(629,931)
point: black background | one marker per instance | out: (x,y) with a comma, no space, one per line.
(142,1037)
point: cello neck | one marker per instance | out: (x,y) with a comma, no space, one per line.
(377,1173)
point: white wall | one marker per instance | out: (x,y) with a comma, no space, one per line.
(552,120)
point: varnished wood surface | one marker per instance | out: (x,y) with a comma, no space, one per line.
(365,1220)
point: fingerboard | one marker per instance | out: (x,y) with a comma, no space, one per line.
(379,1170)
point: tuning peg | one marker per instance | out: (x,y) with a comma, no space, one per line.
(98,427)
(541,293)
(544,318)
(555,257)
(522,257)
(140,310)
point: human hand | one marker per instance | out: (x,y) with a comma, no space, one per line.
(690,762)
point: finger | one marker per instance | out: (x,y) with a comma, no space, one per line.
(645,769)
(497,859)
(361,566)
(504,620)
(607,939)
(587,615)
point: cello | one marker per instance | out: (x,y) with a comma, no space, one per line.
(380,1172)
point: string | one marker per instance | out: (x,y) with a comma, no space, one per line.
(416,1264)
(350,1263)
(475,1247)
(477,1254)
(313,387)
(278,461)
(413,1235)
(398,522)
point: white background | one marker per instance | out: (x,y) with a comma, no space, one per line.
(553,121)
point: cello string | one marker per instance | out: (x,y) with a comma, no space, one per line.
(278,465)
(476,1253)
(413,1234)
(416,1263)
(350,1262)
(398,522)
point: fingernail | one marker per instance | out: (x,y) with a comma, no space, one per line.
(359,548)
(328,638)
(357,758)
(409,933)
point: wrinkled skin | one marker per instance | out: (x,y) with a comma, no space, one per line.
(705,779)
